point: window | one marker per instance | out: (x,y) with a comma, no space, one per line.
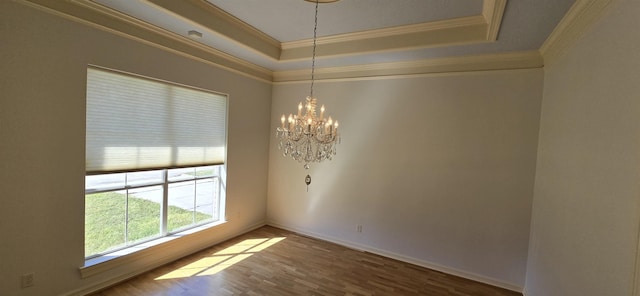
(154,159)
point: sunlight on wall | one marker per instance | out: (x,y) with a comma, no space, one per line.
(361,133)
(220,260)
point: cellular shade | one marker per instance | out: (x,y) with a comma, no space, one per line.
(136,123)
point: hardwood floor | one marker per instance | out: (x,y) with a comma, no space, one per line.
(272,261)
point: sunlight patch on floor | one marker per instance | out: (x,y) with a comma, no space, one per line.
(222,266)
(223,259)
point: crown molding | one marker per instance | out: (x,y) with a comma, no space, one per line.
(458,35)
(106,19)
(388,32)
(502,61)
(493,11)
(576,21)
(209,16)
(457,31)
(464,30)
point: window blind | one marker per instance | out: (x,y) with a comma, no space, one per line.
(136,123)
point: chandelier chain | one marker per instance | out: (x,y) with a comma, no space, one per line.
(313,57)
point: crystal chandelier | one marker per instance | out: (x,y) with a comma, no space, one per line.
(308,137)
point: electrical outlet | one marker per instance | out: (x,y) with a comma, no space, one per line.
(27,279)
(359,228)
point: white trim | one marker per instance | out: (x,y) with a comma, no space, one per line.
(84,12)
(388,32)
(452,271)
(575,22)
(154,257)
(161,245)
(464,30)
(173,37)
(219,21)
(472,33)
(502,61)
(239,23)
(401,76)
(493,11)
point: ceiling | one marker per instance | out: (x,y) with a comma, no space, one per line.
(274,37)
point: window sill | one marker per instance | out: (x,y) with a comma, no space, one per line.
(140,252)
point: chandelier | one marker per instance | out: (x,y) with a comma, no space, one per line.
(308,137)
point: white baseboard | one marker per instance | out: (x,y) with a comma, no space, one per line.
(448,270)
(157,263)
(468,275)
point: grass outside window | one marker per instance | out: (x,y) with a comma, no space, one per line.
(107,228)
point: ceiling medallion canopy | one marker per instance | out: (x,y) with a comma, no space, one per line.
(309,137)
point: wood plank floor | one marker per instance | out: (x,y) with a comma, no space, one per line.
(272,261)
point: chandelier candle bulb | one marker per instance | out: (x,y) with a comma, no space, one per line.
(322,112)
(308,137)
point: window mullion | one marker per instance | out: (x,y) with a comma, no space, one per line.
(126,210)
(165,203)
(126,217)
(195,196)
(218,196)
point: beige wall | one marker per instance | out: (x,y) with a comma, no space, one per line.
(586,203)
(42,117)
(438,170)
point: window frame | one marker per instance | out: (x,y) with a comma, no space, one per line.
(90,267)
(164,183)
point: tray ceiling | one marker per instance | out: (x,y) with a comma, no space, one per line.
(274,36)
